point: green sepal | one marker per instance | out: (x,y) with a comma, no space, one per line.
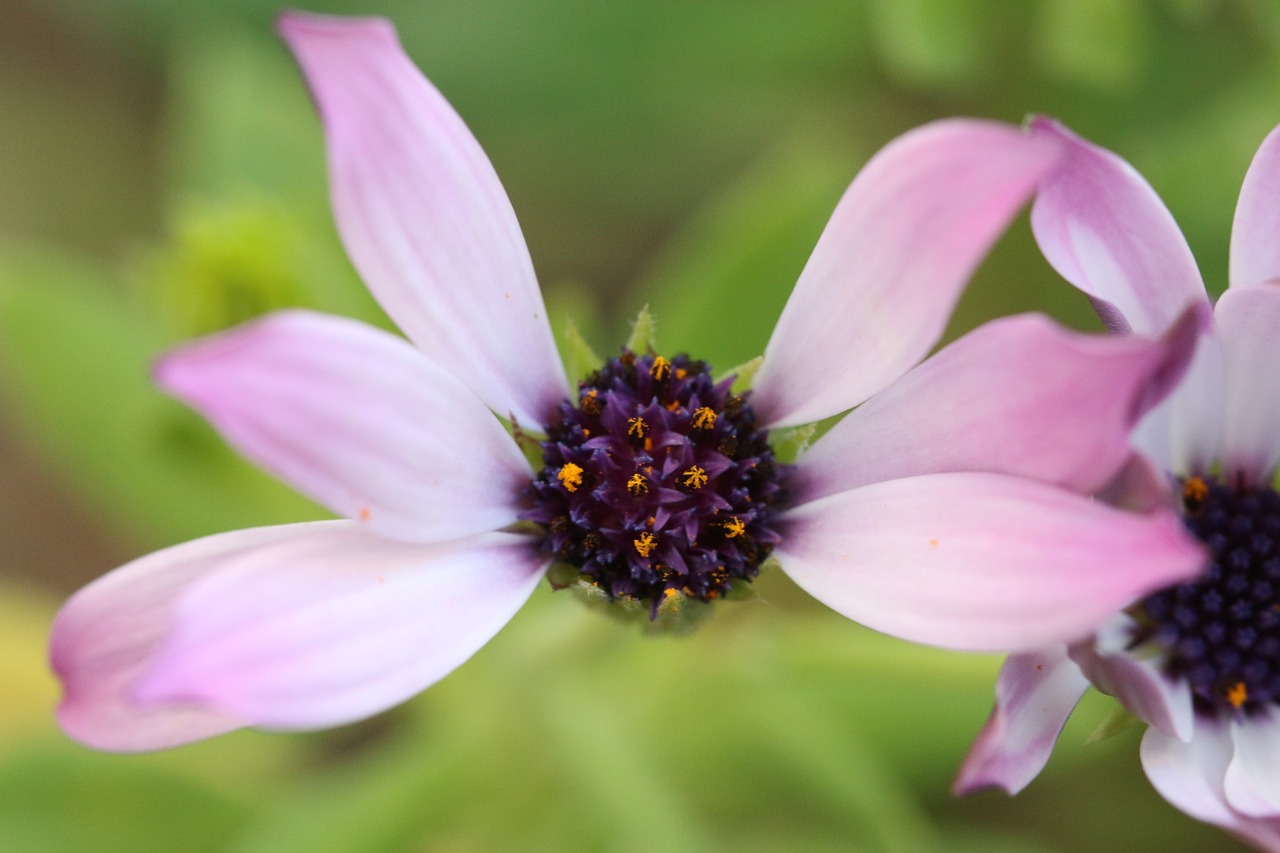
(743,375)
(1115,722)
(788,443)
(580,360)
(644,333)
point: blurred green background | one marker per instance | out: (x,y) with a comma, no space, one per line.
(161,176)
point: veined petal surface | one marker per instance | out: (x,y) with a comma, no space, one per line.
(982,562)
(1104,229)
(332,625)
(425,219)
(881,283)
(1248,320)
(356,419)
(1255,251)
(1035,694)
(1020,395)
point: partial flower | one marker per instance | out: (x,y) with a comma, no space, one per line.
(947,508)
(1199,661)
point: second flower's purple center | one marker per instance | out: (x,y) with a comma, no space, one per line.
(656,482)
(1221,633)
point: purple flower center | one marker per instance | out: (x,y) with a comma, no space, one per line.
(1221,633)
(656,482)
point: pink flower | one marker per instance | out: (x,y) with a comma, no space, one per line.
(946,509)
(1198,661)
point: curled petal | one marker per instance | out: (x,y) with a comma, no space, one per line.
(291,627)
(1251,783)
(1017,396)
(1107,232)
(881,283)
(1191,775)
(1255,252)
(1035,695)
(1136,681)
(984,562)
(1248,321)
(424,217)
(356,419)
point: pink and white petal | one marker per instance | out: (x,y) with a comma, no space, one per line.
(1255,252)
(1248,321)
(1106,231)
(356,419)
(1189,774)
(877,292)
(424,218)
(1020,395)
(1195,410)
(1035,694)
(106,636)
(335,625)
(1136,681)
(1252,785)
(984,562)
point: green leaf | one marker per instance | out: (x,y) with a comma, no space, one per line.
(644,332)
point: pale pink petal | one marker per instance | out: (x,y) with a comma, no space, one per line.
(881,283)
(106,635)
(980,561)
(1035,694)
(424,217)
(1183,434)
(1135,678)
(1248,321)
(1252,784)
(1019,395)
(1191,776)
(1255,251)
(358,420)
(336,625)
(1107,232)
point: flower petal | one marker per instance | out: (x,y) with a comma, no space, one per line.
(1189,773)
(1255,252)
(356,419)
(1107,232)
(335,627)
(1251,784)
(1035,695)
(881,283)
(1019,395)
(424,217)
(1184,433)
(980,561)
(292,628)
(1248,321)
(1134,680)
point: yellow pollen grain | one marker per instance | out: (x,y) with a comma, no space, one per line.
(637,485)
(673,406)
(681,373)
(1195,489)
(365,513)
(704,418)
(734,528)
(695,477)
(1237,694)
(638,427)
(645,543)
(661,368)
(570,476)
(590,403)
(670,593)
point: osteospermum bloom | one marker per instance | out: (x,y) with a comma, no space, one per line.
(1199,661)
(947,508)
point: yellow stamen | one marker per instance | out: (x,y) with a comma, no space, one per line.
(645,544)
(670,593)
(638,427)
(695,477)
(681,373)
(638,485)
(1194,490)
(704,418)
(1237,694)
(734,528)
(661,368)
(571,476)
(590,402)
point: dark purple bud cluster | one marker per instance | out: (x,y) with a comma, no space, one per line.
(657,483)
(1221,633)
